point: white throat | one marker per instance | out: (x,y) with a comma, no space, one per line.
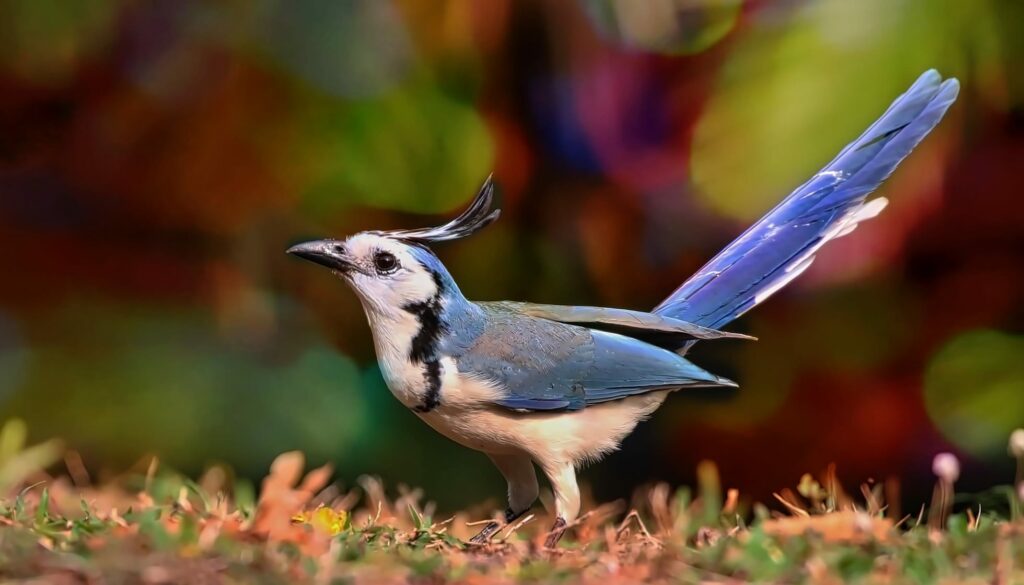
(394,329)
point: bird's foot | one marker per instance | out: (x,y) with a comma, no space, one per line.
(484,536)
(556,533)
(492,528)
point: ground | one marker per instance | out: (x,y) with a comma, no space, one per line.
(154,526)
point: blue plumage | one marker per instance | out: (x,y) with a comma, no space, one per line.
(730,283)
(544,364)
(557,386)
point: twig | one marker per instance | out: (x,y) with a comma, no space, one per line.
(792,507)
(634,515)
(902,520)
(512,528)
(920,517)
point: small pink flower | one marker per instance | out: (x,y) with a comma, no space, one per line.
(1017,443)
(946,467)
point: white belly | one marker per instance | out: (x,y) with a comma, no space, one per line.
(562,437)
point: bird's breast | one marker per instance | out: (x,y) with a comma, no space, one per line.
(429,385)
(424,382)
(407,379)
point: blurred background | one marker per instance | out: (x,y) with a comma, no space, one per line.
(156,158)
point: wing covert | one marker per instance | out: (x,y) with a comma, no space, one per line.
(543,365)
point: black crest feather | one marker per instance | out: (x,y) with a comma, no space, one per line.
(476,217)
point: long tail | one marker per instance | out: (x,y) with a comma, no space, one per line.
(776,249)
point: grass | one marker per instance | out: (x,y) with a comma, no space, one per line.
(155,526)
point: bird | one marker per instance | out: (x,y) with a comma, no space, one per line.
(557,387)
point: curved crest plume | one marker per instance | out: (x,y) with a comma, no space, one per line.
(476,217)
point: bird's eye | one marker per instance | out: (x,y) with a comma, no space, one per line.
(385,262)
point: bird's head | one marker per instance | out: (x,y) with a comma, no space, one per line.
(394,271)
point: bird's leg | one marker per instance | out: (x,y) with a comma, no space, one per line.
(567,499)
(556,533)
(522,492)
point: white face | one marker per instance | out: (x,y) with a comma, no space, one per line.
(385,273)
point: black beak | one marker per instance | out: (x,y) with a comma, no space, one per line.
(329,253)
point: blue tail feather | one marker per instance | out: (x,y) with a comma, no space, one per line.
(782,244)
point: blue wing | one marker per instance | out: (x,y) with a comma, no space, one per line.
(541,364)
(624,367)
(659,330)
(618,367)
(780,246)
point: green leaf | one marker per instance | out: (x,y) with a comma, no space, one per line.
(43,510)
(417,519)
